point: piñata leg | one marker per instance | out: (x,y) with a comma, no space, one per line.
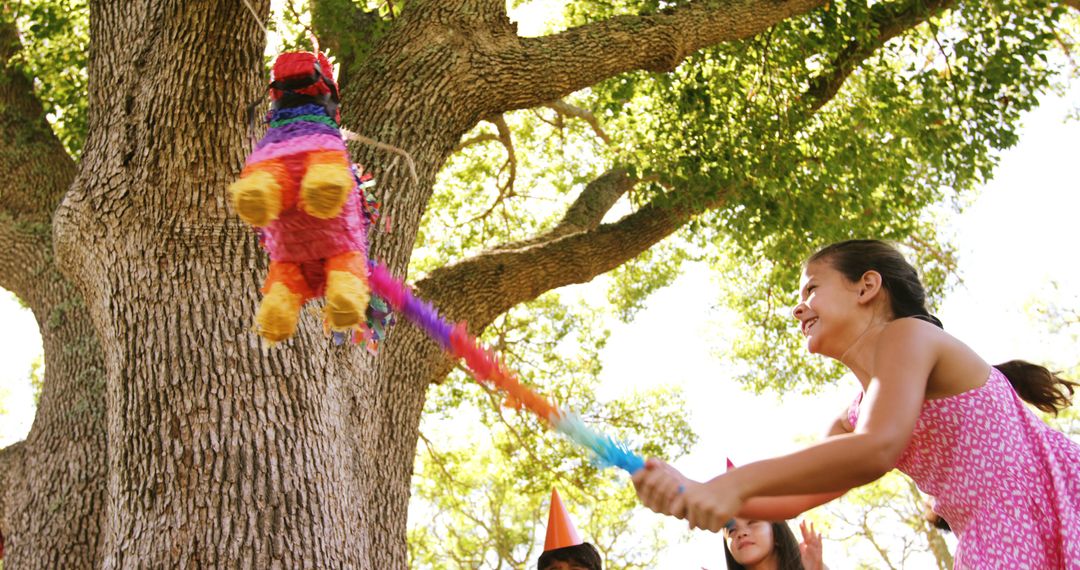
(285,291)
(327,183)
(347,290)
(256,196)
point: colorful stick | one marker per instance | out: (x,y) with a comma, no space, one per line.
(486,367)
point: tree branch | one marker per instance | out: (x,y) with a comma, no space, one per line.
(595,201)
(587,211)
(492,291)
(934,540)
(11,460)
(506,189)
(24,258)
(488,10)
(568,110)
(497,280)
(539,70)
(869,534)
(590,208)
(481,138)
(579,248)
(889,20)
(37,169)
(507,139)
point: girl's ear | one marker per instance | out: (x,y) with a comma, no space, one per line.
(869,286)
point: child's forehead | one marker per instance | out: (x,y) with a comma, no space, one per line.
(813,269)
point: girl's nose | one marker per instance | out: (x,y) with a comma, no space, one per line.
(798,310)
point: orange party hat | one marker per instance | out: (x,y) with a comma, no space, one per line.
(560,529)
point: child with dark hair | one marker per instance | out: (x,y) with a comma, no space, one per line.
(1008,484)
(583,556)
(933,518)
(563,547)
(764,545)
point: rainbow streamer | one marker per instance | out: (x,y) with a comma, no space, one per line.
(487,368)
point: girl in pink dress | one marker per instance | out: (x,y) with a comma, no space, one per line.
(1008,485)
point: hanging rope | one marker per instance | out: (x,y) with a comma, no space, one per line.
(255,15)
(349,135)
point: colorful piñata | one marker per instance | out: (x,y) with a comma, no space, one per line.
(300,189)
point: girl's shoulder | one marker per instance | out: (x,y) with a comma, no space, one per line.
(907,346)
(911,331)
(951,366)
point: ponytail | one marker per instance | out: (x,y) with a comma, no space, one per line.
(1038,386)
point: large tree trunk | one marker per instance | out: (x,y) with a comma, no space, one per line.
(222,451)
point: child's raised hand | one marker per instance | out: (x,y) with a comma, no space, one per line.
(810,547)
(658,486)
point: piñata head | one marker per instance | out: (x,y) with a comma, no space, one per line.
(300,77)
(300,190)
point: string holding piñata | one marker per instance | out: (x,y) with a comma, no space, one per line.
(299,188)
(486,367)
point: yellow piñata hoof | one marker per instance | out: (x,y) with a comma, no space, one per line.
(278,313)
(346,300)
(325,188)
(256,198)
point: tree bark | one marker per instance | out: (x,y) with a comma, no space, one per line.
(539,70)
(52,485)
(222,453)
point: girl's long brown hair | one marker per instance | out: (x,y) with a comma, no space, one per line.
(785,545)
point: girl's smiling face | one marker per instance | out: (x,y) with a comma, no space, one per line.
(750,541)
(827,309)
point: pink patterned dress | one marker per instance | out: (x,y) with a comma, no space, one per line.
(1008,484)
